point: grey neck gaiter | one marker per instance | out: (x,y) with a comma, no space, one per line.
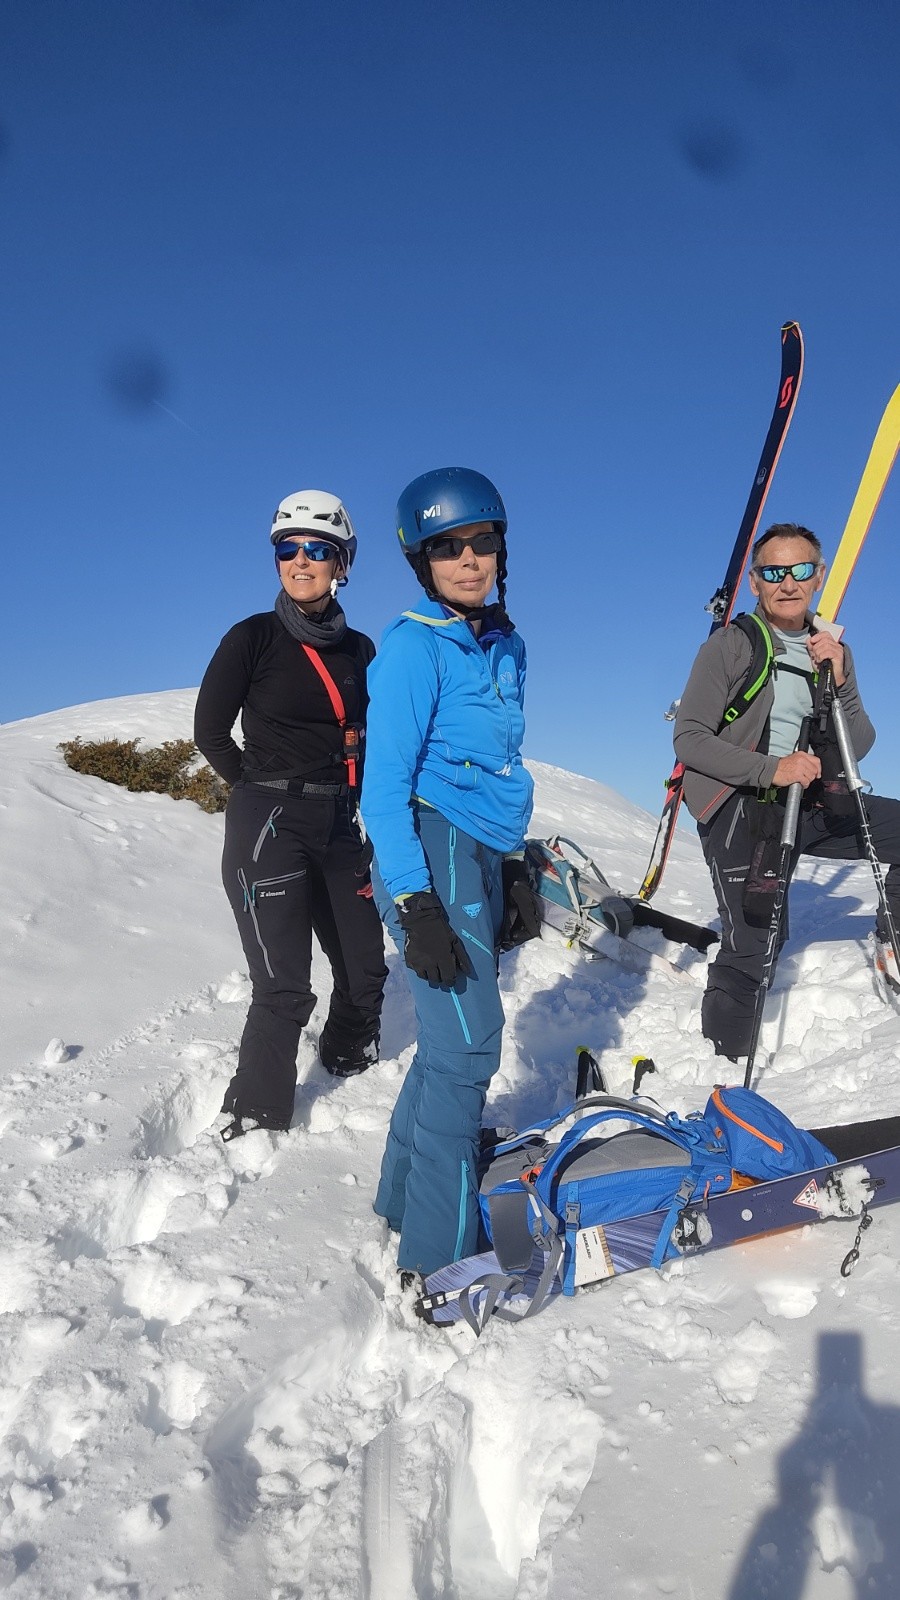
(327,628)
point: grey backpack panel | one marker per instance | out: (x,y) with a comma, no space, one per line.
(622,1152)
(511,1217)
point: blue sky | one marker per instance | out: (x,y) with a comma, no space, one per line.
(252,247)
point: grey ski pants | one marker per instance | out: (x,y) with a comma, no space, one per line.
(728,842)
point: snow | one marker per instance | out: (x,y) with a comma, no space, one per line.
(210,1382)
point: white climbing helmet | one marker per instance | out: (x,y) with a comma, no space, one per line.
(313,511)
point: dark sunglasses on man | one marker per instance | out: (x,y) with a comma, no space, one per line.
(801,572)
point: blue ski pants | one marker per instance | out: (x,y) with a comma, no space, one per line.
(429,1182)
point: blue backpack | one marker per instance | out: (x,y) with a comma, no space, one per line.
(762,1142)
(559,1197)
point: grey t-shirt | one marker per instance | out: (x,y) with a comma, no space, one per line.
(793,694)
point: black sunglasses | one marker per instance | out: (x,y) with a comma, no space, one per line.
(450,548)
(801,572)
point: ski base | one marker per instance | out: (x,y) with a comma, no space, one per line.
(601,943)
(722,603)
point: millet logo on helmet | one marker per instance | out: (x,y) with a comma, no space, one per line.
(463,496)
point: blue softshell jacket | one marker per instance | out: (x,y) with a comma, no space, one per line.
(445,725)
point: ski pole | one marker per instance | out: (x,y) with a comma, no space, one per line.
(856,784)
(787,841)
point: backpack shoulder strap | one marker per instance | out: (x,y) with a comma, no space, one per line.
(760,669)
(349,732)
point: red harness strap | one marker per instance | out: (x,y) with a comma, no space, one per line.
(351,734)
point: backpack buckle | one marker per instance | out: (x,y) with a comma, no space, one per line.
(532,1174)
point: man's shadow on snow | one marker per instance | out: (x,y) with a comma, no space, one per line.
(817,912)
(837,1491)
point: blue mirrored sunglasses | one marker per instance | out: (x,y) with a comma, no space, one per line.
(450,548)
(313,549)
(801,572)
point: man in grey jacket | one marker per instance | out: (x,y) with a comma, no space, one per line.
(738,771)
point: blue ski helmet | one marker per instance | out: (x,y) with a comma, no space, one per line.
(449,497)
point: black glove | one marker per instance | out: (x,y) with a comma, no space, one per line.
(521,908)
(433,950)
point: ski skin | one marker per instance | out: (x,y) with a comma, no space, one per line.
(722,603)
(742,1215)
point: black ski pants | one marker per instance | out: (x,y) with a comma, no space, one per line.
(728,842)
(294,865)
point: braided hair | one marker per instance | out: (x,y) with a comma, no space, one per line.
(504,617)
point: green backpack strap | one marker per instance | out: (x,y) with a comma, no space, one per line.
(760,670)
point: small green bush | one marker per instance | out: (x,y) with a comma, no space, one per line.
(164,769)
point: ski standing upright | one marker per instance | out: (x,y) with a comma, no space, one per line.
(722,602)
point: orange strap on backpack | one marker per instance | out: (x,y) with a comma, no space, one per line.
(350,733)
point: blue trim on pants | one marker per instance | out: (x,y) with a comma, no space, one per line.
(428,1188)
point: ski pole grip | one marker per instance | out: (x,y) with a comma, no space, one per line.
(794,795)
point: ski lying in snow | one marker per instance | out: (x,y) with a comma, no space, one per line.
(867,1174)
(601,943)
(576,899)
(675,929)
(871,487)
(722,603)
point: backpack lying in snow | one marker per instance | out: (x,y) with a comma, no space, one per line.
(560,1197)
(576,899)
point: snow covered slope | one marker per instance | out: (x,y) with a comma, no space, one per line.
(209,1384)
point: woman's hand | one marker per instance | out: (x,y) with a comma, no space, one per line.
(433,951)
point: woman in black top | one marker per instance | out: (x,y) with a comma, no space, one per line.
(294,861)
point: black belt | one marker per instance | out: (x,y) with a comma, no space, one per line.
(779,797)
(324,791)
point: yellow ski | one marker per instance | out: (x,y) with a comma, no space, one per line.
(871,487)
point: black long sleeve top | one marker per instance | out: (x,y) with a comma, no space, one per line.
(289,726)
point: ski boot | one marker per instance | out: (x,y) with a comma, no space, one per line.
(345,1056)
(248,1119)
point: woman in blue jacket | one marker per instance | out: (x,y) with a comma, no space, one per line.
(446,801)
